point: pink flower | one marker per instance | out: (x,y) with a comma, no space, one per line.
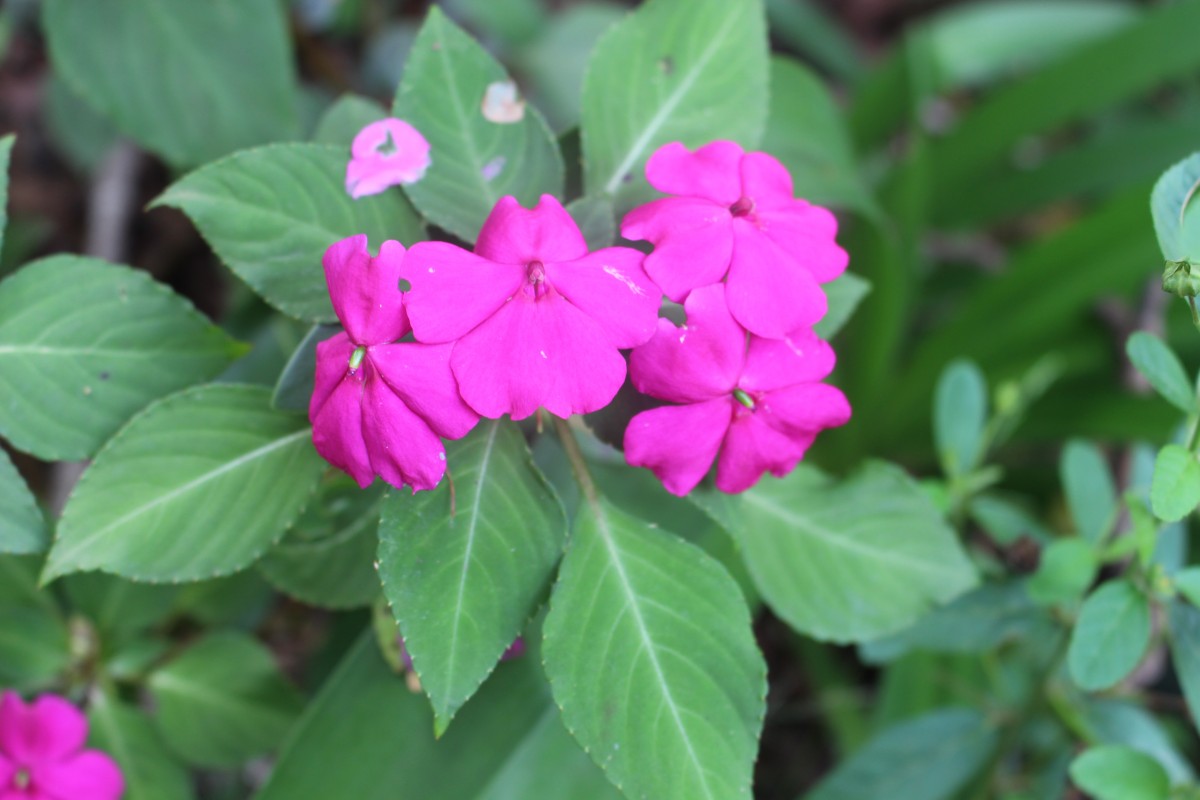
(42,755)
(734,218)
(379,407)
(758,403)
(384,154)
(538,320)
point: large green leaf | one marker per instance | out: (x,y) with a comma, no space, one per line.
(463,581)
(270,213)
(22,526)
(1175,491)
(343,120)
(651,658)
(849,561)
(150,770)
(223,701)
(118,607)
(1176,214)
(198,485)
(674,70)
(1116,772)
(189,81)
(480,150)
(959,416)
(1110,637)
(84,344)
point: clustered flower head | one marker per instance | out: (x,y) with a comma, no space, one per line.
(42,755)
(438,336)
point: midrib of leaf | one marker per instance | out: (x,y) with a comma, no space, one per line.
(460,112)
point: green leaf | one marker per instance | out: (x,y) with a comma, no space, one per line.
(84,344)
(198,485)
(188,81)
(1159,365)
(480,150)
(931,757)
(118,607)
(651,658)
(272,212)
(1116,721)
(223,701)
(850,561)
(22,526)
(6,146)
(594,216)
(1066,570)
(1115,772)
(463,582)
(1006,520)
(1184,624)
(1176,216)
(1175,491)
(809,29)
(34,647)
(959,416)
(343,120)
(293,390)
(1187,582)
(150,770)
(1110,637)
(79,132)
(844,294)
(673,70)
(1089,487)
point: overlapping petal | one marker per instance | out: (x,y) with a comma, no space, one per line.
(48,729)
(611,287)
(693,242)
(678,443)
(710,171)
(752,447)
(403,449)
(768,293)
(365,291)
(454,290)
(91,775)
(804,409)
(513,234)
(806,234)
(337,420)
(798,357)
(765,180)
(420,375)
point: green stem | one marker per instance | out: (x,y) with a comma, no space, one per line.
(578,464)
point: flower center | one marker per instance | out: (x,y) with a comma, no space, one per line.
(356,358)
(22,779)
(535,274)
(743,398)
(744,207)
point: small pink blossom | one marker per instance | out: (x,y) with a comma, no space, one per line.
(733,217)
(538,320)
(379,407)
(386,153)
(752,404)
(42,755)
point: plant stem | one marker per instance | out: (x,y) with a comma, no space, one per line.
(578,464)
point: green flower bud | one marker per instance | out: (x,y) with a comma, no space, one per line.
(1179,278)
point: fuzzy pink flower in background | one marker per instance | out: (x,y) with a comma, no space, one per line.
(386,153)
(539,321)
(751,406)
(42,755)
(378,407)
(733,217)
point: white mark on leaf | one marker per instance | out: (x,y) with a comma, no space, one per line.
(493,168)
(502,104)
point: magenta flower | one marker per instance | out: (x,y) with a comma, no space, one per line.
(386,153)
(759,404)
(378,407)
(42,755)
(733,217)
(538,320)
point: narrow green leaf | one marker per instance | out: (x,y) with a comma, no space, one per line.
(1183,622)
(850,561)
(674,70)
(189,81)
(1187,582)
(651,658)
(844,294)
(485,141)
(1110,637)
(22,525)
(342,121)
(1089,487)
(959,415)
(1115,772)
(464,581)
(1006,520)
(1175,490)
(150,770)
(198,485)
(594,216)
(84,344)
(270,214)
(1176,216)
(6,146)
(1066,570)
(293,390)
(1159,365)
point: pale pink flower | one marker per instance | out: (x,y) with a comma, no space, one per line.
(379,407)
(538,320)
(751,404)
(42,755)
(734,218)
(386,153)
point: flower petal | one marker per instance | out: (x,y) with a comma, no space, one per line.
(805,409)
(710,172)
(48,729)
(420,374)
(611,287)
(386,153)
(7,771)
(768,292)
(402,447)
(533,353)
(699,361)
(91,775)
(366,291)
(454,290)
(513,234)
(336,412)
(806,234)
(800,357)
(753,447)
(765,181)
(693,242)
(678,443)
(332,363)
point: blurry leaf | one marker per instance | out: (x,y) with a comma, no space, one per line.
(223,701)
(1187,581)
(189,81)
(844,295)
(1176,216)
(84,344)
(959,416)
(151,772)
(241,599)
(19,583)
(1066,570)
(1114,772)
(849,561)
(1089,487)
(1113,721)
(639,613)
(198,485)
(594,216)
(1110,637)
(1175,491)
(343,120)
(116,606)
(22,525)
(34,648)
(271,213)
(6,145)
(673,70)
(294,389)
(1184,626)
(1162,368)
(806,27)
(463,579)
(512,22)
(79,132)
(475,160)
(1005,520)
